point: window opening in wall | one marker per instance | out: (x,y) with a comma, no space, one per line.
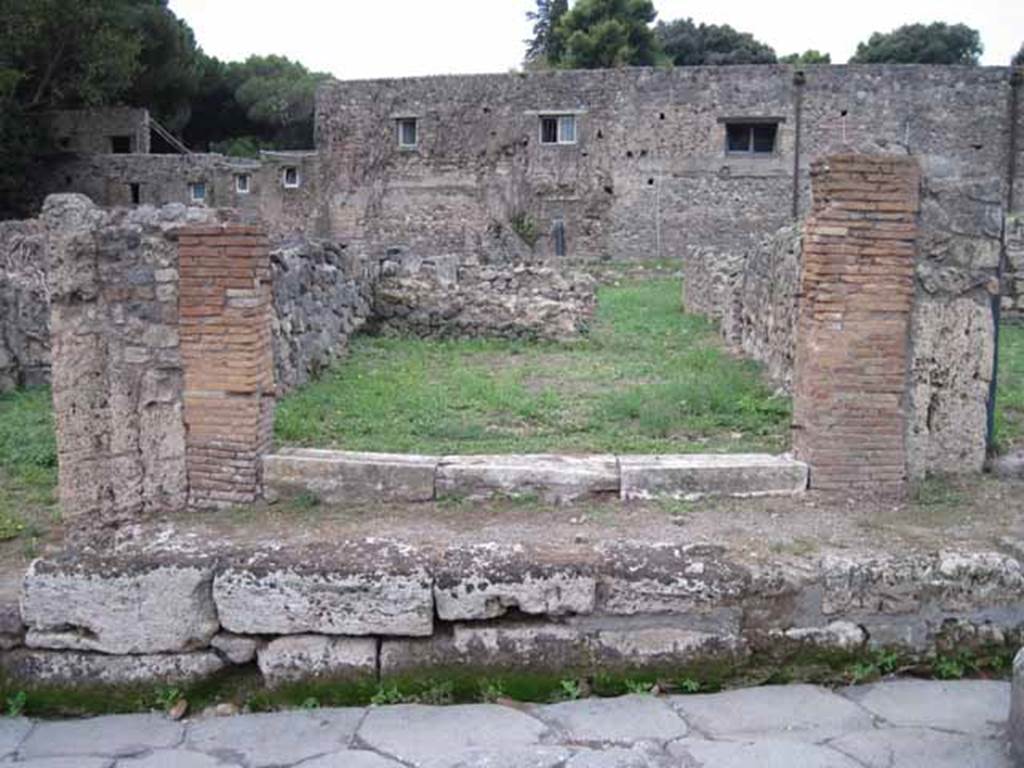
(242,183)
(64,142)
(407,137)
(290,177)
(136,192)
(750,138)
(197,192)
(121,145)
(558,235)
(558,129)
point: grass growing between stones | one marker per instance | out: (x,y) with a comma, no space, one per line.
(28,464)
(647,379)
(1010,395)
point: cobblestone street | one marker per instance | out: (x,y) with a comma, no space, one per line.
(897,724)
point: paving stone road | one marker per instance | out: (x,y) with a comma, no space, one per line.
(898,724)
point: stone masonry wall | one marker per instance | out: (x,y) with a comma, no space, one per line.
(857,293)
(440,298)
(323,293)
(24,305)
(163,379)
(118,372)
(226,348)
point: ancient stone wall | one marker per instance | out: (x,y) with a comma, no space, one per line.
(24,305)
(118,373)
(162,364)
(857,294)
(440,298)
(323,293)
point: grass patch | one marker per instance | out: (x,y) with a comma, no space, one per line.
(1010,390)
(28,463)
(647,379)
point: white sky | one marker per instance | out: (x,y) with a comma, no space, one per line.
(392,38)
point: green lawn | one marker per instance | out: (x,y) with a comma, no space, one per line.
(28,463)
(647,379)
(1010,398)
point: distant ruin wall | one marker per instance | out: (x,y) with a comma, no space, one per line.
(24,305)
(440,298)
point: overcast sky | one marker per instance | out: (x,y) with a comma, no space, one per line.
(393,38)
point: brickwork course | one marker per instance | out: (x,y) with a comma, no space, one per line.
(226,347)
(852,340)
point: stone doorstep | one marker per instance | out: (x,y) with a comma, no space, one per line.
(345,476)
(694,476)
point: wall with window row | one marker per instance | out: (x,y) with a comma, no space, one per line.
(649,173)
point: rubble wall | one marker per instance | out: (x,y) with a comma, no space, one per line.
(440,298)
(24,305)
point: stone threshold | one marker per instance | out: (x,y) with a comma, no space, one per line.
(353,477)
(368,610)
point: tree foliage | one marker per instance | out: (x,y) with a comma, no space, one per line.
(690,44)
(607,33)
(545,46)
(1018,58)
(810,56)
(936,43)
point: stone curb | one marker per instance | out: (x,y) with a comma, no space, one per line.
(346,476)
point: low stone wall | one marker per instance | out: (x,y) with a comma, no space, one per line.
(24,305)
(440,298)
(369,610)
(322,295)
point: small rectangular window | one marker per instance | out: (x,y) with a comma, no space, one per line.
(558,129)
(407,132)
(121,145)
(290,177)
(197,192)
(750,138)
(242,183)
(135,190)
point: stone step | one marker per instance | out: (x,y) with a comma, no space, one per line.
(352,477)
(699,475)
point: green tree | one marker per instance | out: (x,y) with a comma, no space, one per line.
(810,56)
(936,43)
(545,46)
(688,44)
(170,64)
(607,33)
(1018,59)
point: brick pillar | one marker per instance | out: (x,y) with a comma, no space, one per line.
(857,292)
(225,321)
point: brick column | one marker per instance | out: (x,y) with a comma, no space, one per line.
(225,322)
(857,292)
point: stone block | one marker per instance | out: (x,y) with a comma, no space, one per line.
(554,478)
(485,581)
(118,606)
(237,649)
(620,720)
(75,668)
(307,657)
(12,631)
(695,476)
(355,588)
(346,477)
(1016,724)
(111,736)
(637,578)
